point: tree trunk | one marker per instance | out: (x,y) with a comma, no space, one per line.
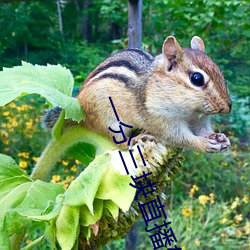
(59,16)
(85,20)
(135,23)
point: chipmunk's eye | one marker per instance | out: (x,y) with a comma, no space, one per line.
(197,79)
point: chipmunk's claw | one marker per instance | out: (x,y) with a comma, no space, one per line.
(218,142)
(140,139)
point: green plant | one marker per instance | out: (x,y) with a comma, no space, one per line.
(98,205)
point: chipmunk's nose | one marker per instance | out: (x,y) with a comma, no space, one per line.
(227,108)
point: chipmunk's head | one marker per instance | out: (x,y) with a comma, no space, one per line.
(198,78)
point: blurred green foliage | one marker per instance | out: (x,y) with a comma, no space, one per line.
(30,32)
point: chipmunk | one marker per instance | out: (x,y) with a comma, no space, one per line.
(169,97)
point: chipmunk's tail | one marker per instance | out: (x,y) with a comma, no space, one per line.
(50,117)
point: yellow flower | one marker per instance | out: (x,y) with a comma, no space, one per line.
(4,134)
(235,203)
(35,159)
(238,218)
(247,227)
(23,164)
(77,162)
(65,185)
(234,152)
(12,105)
(65,163)
(192,190)
(55,178)
(24,154)
(14,123)
(6,141)
(203,199)
(186,211)
(183,248)
(6,149)
(23,107)
(70,178)
(197,242)
(73,168)
(245,199)
(225,164)
(29,124)
(6,113)
(223,220)
(211,195)
(238,233)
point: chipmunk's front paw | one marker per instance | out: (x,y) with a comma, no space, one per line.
(217,142)
(141,138)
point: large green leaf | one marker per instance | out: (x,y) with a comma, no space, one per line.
(83,189)
(6,186)
(39,194)
(53,82)
(113,185)
(67,226)
(22,200)
(86,218)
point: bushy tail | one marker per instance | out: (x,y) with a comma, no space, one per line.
(50,118)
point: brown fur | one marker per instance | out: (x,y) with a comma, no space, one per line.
(156,95)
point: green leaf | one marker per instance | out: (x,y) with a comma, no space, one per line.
(14,198)
(83,152)
(86,218)
(4,240)
(53,82)
(9,168)
(50,213)
(26,202)
(14,223)
(112,208)
(39,194)
(67,226)
(83,189)
(113,185)
(20,197)
(11,183)
(86,232)
(50,234)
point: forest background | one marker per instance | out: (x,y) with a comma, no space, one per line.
(208,203)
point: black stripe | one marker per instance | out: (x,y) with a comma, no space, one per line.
(118,63)
(142,53)
(118,77)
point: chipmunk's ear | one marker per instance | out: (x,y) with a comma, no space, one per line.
(197,43)
(171,49)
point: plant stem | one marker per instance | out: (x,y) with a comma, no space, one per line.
(57,147)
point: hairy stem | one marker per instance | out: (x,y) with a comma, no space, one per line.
(57,147)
